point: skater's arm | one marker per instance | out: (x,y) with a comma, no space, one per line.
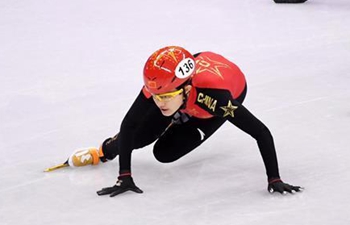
(133,118)
(220,103)
(248,123)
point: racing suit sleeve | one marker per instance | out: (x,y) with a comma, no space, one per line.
(231,109)
(142,125)
(247,122)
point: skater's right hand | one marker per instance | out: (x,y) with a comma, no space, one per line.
(123,184)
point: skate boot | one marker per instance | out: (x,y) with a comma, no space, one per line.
(85,156)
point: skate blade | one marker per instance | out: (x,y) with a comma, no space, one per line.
(56,167)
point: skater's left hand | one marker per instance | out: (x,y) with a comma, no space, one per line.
(277,185)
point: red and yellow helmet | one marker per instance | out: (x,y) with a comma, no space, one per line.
(167,69)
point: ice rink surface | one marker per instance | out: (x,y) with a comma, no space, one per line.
(69,71)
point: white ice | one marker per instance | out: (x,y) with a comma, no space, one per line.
(69,70)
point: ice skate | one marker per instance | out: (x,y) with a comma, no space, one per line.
(80,157)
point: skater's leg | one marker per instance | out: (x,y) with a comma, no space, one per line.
(181,139)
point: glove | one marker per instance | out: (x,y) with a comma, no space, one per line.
(276,184)
(123,184)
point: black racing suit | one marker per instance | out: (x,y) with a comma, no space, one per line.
(144,124)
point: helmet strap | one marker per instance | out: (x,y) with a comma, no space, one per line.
(184,93)
(184,99)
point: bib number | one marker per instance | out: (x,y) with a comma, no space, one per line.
(185,68)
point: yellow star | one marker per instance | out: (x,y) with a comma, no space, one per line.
(229,109)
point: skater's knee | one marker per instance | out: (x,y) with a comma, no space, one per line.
(163,154)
